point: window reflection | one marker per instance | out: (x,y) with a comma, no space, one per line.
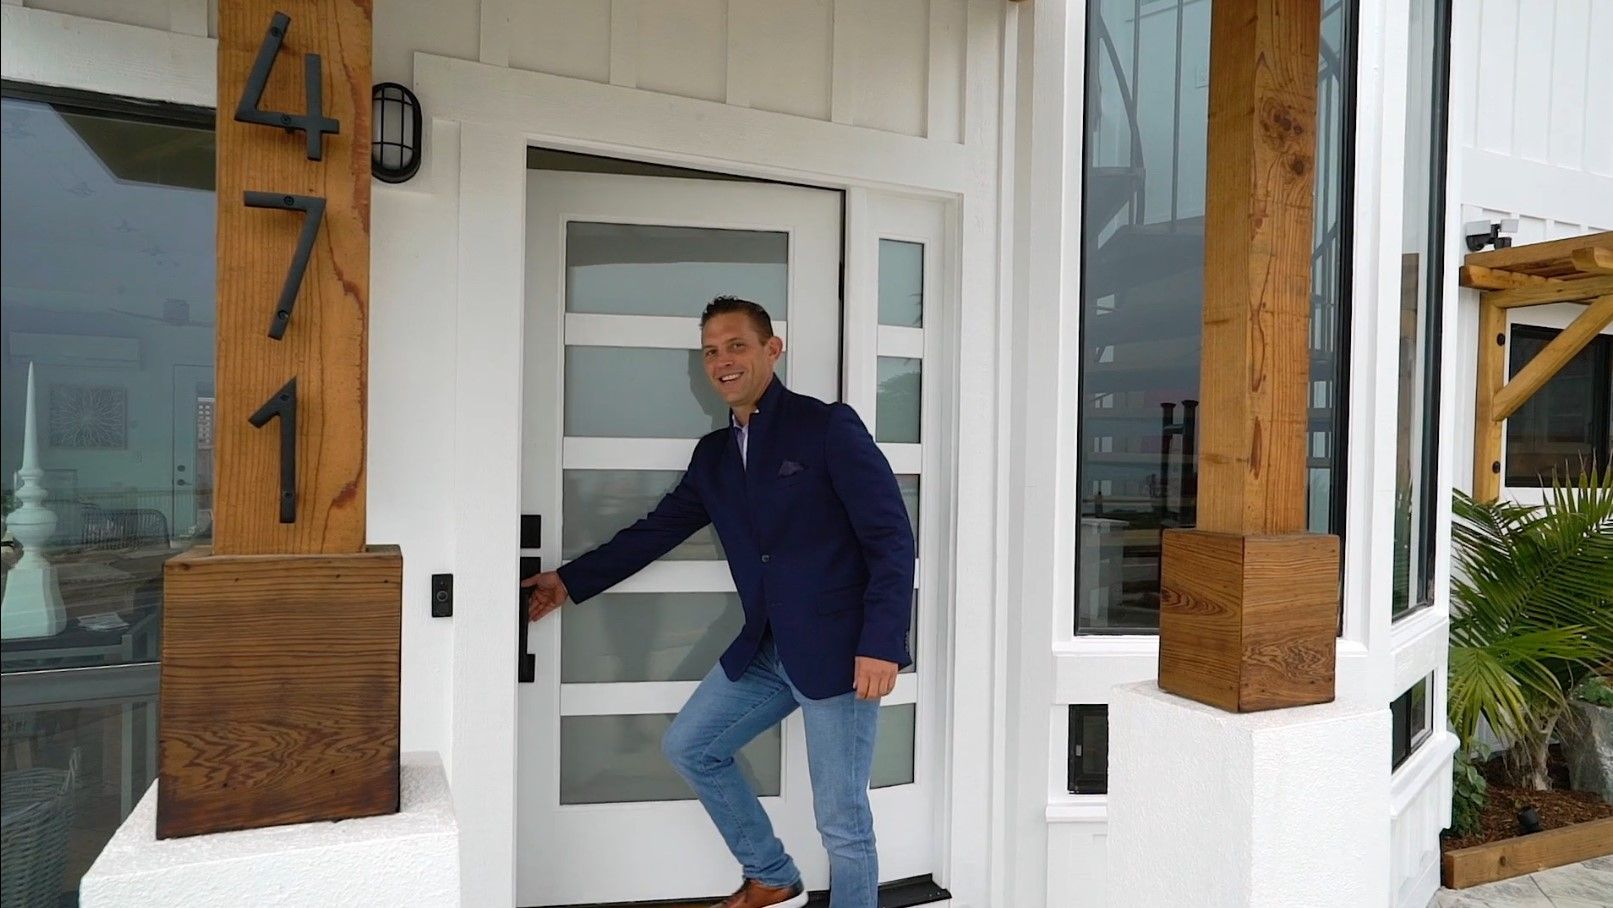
(1143,282)
(107,295)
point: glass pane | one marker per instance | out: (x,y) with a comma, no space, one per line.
(1094,755)
(1561,430)
(1414,438)
(109,258)
(1142,289)
(893,747)
(901,283)
(647,636)
(598,503)
(899,400)
(614,759)
(909,484)
(643,269)
(913,636)
(71,775)
(641,392)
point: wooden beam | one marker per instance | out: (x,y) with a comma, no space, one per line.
(1552,357)
(1491,376)
(1594,260)
(1249,600)
(1557,291)
(1478,277)
(1256,359)
(324,347)
(1520,855)
(1520,258)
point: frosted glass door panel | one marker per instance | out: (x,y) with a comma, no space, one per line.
(641,392)
(597,503)
(893,748)
(645,269)
(617,759)
(647,636)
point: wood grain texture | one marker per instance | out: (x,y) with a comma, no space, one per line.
(1249,622)
(325,347)
(1552,357)
(1491,375)
(1517,856)
(280,689)
(1556,291)
(1256,359)
(1554,258)
(1478,277)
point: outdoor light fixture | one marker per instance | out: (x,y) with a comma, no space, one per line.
(395,127)
(1528,820)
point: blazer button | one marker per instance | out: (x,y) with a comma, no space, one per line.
(766,558)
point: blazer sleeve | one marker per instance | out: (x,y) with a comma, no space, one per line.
(867,488)
(679,514)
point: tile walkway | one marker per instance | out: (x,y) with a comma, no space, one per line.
(1588,884)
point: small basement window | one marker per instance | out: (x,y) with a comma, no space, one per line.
(1565,428)
(1089,749)
(1409,722)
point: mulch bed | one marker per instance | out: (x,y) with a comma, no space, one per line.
(1558,807)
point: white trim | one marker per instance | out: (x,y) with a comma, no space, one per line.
(901,342)
(494,33)
(842,99)
(624,43)
(904,458)
(587,329)
(626,453)
(45,48)
(1093,809)
(638,698)
(1419,643)
(586,116)
(1429,764)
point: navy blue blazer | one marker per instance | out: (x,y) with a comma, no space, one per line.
(816,533)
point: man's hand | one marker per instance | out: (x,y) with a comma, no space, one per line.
(545,593)
(874,677)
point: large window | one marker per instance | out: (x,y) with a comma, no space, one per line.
(1421,274)
(1147,116)
(1563,430)
(106,269)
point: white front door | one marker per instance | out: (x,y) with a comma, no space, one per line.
(614,395)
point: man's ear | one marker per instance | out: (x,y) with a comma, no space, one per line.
(775,345)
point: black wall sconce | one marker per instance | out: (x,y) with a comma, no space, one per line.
(395,127)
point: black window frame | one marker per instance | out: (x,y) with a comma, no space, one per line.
(1409,729)
(1078,781)
(1600,346)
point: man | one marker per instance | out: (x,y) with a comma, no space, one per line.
(821,551)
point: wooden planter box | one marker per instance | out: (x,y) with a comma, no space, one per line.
(1507,858)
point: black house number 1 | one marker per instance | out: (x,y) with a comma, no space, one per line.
(283,404)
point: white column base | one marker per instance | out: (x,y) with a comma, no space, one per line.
(1280,808)
(408,858)
(32,605)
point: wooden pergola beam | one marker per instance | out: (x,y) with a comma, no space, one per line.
(1552,357)
(1554,291)
(1249,600)
(1549,259)
(1478,277)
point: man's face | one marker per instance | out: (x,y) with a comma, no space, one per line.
(738,362)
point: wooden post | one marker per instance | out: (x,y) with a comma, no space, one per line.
(1491,377)
(280,664)
(1249,604)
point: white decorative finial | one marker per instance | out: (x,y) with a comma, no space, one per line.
(33,602)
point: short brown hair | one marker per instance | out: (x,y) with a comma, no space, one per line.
(724,305)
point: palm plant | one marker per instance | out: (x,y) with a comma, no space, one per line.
(1531,615)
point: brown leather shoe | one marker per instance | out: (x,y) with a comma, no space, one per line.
(754,895)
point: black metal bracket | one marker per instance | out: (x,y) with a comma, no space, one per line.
(526,664)
(1479,234)
(314,122)
(284,405)
(314,209)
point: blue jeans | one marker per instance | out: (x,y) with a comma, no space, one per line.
(722,716)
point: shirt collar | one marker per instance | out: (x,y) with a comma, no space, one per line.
(770,399)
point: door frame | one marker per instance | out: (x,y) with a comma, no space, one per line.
(503,112)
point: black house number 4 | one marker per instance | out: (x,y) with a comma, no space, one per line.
(314,123)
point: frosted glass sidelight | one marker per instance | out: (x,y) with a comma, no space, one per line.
(598,503)
(901,284)
(617,759)
(646,636)
(899,400)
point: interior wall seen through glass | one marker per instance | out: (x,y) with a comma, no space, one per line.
(1563,429)
(1147,96)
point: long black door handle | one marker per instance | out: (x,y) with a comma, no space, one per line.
(526,664)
